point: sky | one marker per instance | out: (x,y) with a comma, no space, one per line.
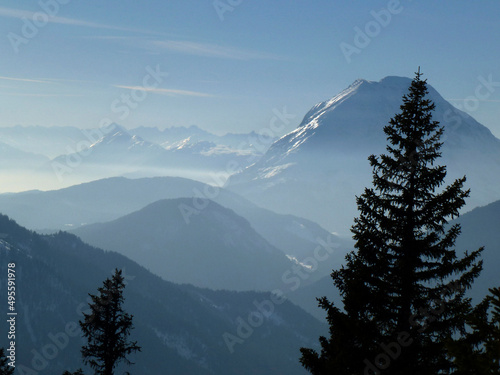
(231,65)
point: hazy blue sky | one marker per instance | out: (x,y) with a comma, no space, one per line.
(77,62)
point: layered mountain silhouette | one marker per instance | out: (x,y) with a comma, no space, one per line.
(182,329)
(120,151)
(109,199)
(175,137)
(214,248)
(55,157)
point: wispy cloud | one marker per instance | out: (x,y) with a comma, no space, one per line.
(190,48)
(208,50)
(161,91)
(50,81)
(19,13)
(25,80)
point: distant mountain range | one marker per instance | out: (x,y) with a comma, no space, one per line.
(109,199)
(259,232)
(64,156)
(116,218)
(121,152)
(63,140)
(182,329)
(313,172)
(172,138)
(316,170)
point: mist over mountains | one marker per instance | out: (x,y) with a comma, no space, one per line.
(320,166)
(216,248)
(180,328)
(56,157)
(207,224)
(132,217)
(63,140)
(109,199)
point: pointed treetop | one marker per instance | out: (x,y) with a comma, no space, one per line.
(418,74)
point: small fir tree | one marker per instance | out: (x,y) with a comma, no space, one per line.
(107,328)
(403,288)
(5,369)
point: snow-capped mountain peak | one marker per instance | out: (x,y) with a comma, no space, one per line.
(322,164)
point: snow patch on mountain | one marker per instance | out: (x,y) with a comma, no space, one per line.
(177,342)
(273,171)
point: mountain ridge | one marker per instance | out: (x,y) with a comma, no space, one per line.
(181,328)
(322,164)
(108,199)
(216,248)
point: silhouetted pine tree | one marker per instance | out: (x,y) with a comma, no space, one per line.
(5,369)
(403,288)
(107,328)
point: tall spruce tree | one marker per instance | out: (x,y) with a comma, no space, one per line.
(107,328)
(403,287)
